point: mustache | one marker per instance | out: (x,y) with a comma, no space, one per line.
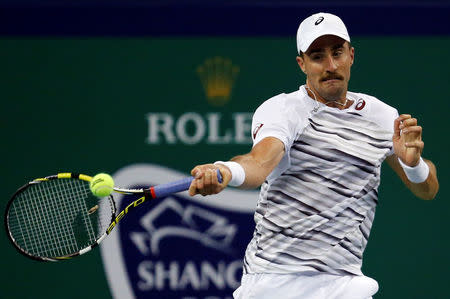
(332,77)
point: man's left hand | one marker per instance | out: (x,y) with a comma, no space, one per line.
(407,140)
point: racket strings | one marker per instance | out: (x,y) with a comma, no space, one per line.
(44,226)
(52,218)
(40,221)
(64,237)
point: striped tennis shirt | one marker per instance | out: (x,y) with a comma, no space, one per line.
(316,208)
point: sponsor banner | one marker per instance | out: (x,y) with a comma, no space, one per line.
(217,76)
(179,246)
(191,128)
(98,105)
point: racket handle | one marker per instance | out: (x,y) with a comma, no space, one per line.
(177,186)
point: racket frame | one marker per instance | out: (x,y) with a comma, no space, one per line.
(154,192)
(63,175)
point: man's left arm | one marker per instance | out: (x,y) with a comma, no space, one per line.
(418,174)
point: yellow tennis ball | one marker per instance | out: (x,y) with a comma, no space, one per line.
(102,185)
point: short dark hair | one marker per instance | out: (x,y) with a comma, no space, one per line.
(349,46)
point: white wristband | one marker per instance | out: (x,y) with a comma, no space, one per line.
(418,173)
(237,172)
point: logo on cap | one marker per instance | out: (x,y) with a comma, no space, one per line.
(319,20)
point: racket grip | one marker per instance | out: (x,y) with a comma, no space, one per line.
(177,186)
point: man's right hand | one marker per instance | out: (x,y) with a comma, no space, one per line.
(205,179)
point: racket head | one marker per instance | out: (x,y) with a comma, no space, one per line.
(57,217)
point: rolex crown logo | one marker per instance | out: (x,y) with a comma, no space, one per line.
(217,76)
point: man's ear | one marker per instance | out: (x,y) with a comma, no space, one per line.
(301,63)
(352,54)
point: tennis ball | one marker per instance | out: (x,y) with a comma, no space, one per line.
(101,185)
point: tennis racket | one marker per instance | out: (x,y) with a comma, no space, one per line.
(57,217)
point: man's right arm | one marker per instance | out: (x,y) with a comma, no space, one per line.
(257,164)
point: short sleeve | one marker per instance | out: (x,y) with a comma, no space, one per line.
(393,115)
(274,119)
(382,114)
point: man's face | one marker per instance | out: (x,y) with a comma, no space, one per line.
(327,64)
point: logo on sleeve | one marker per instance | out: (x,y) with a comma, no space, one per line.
(360,104)
(256,130)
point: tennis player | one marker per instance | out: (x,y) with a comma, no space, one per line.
(317,154)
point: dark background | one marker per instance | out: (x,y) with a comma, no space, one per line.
(78,77)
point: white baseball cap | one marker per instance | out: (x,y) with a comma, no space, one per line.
(317,25)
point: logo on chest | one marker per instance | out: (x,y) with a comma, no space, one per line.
(360,104)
